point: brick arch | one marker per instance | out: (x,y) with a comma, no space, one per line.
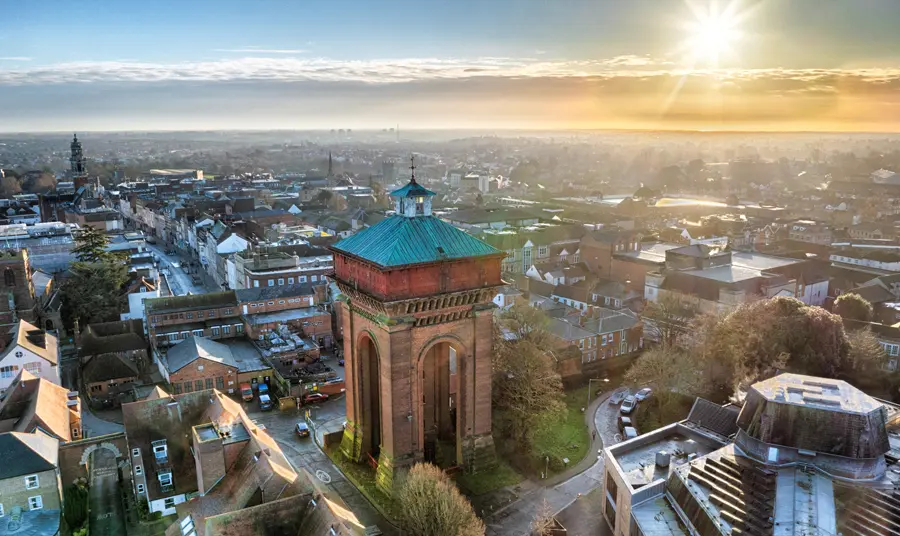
(437,422)
(86,455)
(367,368)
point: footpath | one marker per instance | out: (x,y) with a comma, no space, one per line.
(559,491)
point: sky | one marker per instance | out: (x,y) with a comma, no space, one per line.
(831,65)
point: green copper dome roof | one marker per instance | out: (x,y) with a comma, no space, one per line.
(413,189)
(398,241)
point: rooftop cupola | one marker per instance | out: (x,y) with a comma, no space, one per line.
(413,199)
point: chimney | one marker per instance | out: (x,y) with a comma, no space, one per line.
(209,457)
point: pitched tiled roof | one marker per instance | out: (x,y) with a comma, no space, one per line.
(192,301)
(108,366)
(399,241)
(27,454)
(36,341)
(35,402)
(194,348)
(107,337)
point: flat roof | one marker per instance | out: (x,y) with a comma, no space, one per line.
(638,464)
(819,393)
(284,316)
(246,356)
(655,252)
(759,261)
(727,274)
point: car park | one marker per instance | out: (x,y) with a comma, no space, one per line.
(628,405)
(624,422)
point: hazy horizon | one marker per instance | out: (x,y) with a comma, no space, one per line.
(679,65)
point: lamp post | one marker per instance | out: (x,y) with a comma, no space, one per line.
(605,380)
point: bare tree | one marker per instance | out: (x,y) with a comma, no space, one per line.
(543,522)
(431,505)
(669,317)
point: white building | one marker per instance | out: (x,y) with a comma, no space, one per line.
(31,349)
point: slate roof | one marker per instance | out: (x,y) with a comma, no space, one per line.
(27,454)
(400,241)
(192,301)
(193,348)
(109,337)
(108,366)
(567,331)
(712,416)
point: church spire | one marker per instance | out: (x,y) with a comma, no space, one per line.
(330,166)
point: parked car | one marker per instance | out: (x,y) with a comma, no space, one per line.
(624,422)
(629,433)
(340,362)
(618,396)
(302,429)
(315,398)
(643,394)
(628,405)
(265,403)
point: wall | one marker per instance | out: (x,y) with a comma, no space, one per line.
(48,370)
(71,454)
(210,371)
(422,280)
(13,492)
(635,271)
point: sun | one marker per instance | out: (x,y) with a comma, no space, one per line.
(713,34)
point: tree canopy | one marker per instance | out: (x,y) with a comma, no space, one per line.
(668,317)
(93,292)
(90,246)
(852,306)
(431,505)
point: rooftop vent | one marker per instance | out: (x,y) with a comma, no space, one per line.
(663,458)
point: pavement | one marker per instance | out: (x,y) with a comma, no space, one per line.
(563,490)
(305,454)
(107,512)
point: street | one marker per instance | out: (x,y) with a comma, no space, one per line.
(107,517)
(304,454)
(180,283)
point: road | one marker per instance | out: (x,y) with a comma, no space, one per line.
(179,282)
(305,454)
(107,516)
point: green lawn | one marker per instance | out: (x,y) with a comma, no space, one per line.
(478,484)
(363,477)
(571,439)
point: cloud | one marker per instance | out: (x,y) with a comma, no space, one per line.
(315,69)
(14,58)
(488,92)
(254,50)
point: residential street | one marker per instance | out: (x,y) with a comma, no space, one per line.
(306,455)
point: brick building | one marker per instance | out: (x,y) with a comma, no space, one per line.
(599,247)
(419,315)
(112,356)
(197,363)
(215,316)
(19,298)
(29,480)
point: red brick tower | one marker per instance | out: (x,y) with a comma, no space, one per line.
(417,340)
